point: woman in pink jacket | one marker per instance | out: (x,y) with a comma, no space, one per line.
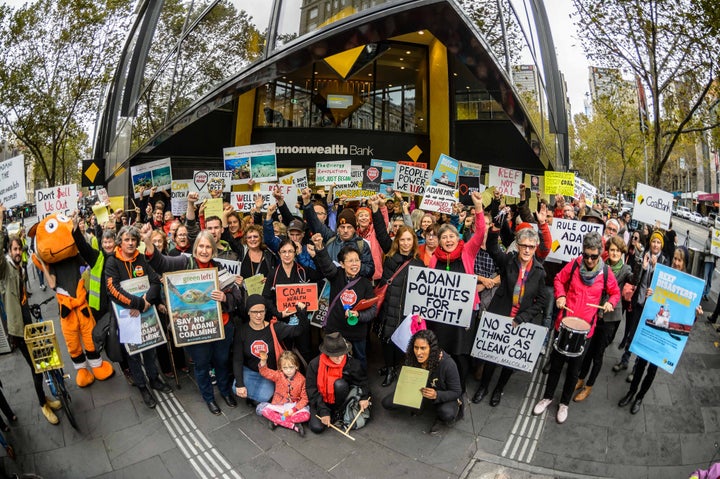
(583,282)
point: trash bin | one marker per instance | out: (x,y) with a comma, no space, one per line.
(696,262)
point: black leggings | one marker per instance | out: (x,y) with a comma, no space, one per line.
(488,370)
(602,337)
(342,389)
(557,361)
(37,378)
(391,354)
(640,365)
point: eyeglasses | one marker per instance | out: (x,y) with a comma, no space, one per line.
(287,252)
(591,256)
(611,230)
(257,313)
(527,246)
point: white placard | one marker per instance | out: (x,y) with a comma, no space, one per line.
(251,161)
(243,201)
(103,196)
(206,181)
(505,180)
(652,206)
(582,187)
(298,178)
(155,173)
(12,182)
(568,237)
(499,342)
(411,179)
(441,296)
(60,199)
(290,194)
(178,196)
(328,173)
(439,198)
(715,244)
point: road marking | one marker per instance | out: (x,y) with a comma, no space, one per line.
(206,460)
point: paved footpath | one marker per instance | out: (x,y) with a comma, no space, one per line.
(674,433)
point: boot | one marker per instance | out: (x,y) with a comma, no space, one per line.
(147,397)
(389,377)
(580,384)
(627,399)
(582,395)
(49,414)
(53,403)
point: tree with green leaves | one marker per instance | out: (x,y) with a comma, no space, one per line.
(55,58)
(668,45)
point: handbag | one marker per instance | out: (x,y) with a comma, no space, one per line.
(381,289)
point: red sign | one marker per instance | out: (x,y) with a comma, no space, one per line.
(373,173)
(288,295)
(348,298)
(258,346)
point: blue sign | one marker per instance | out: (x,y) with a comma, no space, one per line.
(667,317)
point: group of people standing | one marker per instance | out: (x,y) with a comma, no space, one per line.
(293,375)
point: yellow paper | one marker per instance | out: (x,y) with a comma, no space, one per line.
(101,214)
(117,202)
(214,207)
(409,383)
(557,182)
(254,284)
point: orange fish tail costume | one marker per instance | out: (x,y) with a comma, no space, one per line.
(55,244)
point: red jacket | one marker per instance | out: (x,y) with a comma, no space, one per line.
(286,391)
(578,295)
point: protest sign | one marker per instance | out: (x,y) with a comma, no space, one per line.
(387,177)
(243,201)
(101,214)
(372,178)
(499,342)
(59,199)
(441,296)
(568,237)
(439,198)
(411,180)
(155,173)
(535,183)
(151,331)
(559,183)
(288,295)
(103,197)
(194,316)
(466,186)
(652,206)
(231,266)
(254,284)
(289,192)
(332,172)
(12,182)
(251,161)
(582,187)
(469,169)
(298,179)
(117,202)
(353,189)
(214,207)
(667,317)
(446,172)
(715,242)
(204,182)
(319,317)
(505,180)
(408,389)
(178,196)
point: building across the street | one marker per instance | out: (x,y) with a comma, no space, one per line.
(402,80)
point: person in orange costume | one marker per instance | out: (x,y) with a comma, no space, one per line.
(57,255)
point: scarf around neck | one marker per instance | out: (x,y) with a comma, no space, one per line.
(617,266)
(588,277)
(447,258)
(328,373)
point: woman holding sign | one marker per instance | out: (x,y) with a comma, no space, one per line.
(214,354)
(521,295)
(442,387)
(457,256)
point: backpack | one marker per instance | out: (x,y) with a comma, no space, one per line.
(352,408)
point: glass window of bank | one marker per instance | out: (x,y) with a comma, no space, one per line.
(384,90)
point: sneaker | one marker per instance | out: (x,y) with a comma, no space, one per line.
(300,429)
(562,414)
(53,403)
(49,414)
(541,406)
(620,366)
(43,287)
(213,379)
(435,428)
(630,377)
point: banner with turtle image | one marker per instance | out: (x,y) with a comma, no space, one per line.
(194,316)
(150,333)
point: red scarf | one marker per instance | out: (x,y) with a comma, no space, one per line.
(328,373)
(447,258)
(366,232)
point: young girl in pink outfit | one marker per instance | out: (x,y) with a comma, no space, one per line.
(289,405)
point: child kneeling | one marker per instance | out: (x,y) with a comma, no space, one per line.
(289,405)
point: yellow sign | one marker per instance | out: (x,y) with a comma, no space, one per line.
(101,214)
(117,202)
(557,182)
(214,207)
(410,381)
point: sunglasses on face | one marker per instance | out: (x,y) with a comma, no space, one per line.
(590,256)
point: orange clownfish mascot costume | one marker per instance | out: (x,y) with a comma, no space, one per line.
(58,255)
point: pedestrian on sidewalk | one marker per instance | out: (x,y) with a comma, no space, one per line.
(709,265)
(679,263)
(15,301)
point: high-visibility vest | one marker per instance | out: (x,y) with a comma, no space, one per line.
(96,282)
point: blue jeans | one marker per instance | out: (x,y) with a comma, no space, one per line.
(213,355)
(709,269)
(258,388)
(359,352)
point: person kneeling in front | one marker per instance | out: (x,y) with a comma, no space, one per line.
(329,379)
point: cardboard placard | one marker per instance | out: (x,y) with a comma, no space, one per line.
(441,296)
(194,316)
(568,237)
(154,173)
(499,342)
(652,206)
(12,182)
(506,180)
(411,179)
(59,199)
(559,183)
(288,295)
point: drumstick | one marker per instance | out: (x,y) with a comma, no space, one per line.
(356,417)
(569,310)
(337,429)
(595,306)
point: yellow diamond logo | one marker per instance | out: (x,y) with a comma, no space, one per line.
(414,153)
(92,172)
